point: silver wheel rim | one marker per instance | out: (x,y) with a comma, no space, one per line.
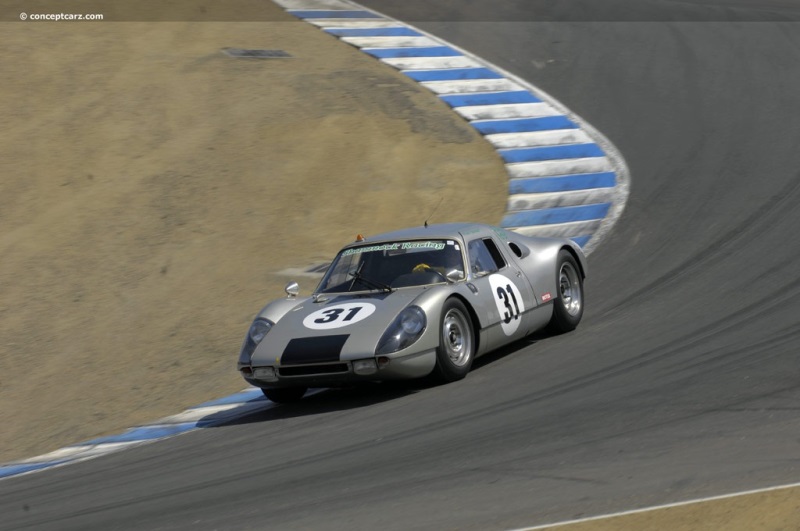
(456,338)
(569,285)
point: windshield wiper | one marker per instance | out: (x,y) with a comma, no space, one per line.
(369,282)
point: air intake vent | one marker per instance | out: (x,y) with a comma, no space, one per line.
(310,370)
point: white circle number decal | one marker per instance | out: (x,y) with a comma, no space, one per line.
(339,315)
(509,302)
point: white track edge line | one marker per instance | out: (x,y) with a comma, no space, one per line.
(660,507)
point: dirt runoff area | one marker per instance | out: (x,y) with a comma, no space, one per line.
(153,187)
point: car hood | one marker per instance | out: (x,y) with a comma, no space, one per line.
(337,328)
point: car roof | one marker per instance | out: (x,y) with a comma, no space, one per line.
(436,231)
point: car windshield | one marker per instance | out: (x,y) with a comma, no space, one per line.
(389,265)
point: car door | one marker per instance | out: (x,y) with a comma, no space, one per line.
(506,292)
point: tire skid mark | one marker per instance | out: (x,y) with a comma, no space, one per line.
(772,300)
(721,325)
(757,351)
(760,221)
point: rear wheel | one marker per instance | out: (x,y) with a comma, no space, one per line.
(283,395)
(456,342)
(568,305)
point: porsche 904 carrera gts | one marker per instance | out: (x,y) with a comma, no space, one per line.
(418,302)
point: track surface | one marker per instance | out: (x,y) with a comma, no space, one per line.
(681,382)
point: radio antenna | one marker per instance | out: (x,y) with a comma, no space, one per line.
(434,211)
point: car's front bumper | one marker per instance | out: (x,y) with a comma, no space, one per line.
(391,367)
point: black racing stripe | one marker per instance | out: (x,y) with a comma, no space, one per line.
(313,350)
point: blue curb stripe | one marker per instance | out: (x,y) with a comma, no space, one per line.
(239,404)
(373,32)
(490,98)
(13,470)
(524,125)
(144,433)
(549,216)
(452,74)
(567,151)
(581,240)
(413,51)
(251,395)
(324,13)
(557,163)
(565,183)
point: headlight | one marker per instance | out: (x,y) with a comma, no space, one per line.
(404,331)
(255,335)
(412,321)
(258,330)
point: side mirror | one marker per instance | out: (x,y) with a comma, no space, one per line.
(455,275)
(292,289)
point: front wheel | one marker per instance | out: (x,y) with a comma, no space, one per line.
(568,305)
(456,342)
(284,395)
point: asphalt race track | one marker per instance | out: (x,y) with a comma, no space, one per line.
(683,380)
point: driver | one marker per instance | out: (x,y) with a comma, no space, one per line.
(449,258)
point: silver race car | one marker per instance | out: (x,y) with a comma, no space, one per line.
(412,303)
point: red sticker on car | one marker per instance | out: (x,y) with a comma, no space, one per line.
(546,297)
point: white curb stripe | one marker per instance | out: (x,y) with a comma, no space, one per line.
(431,63)
(547,168)
(527,125)
(196,414)
(538,138)
(519,202)
(75,452)
(560,230)
(389,42)
(361,23)
(246,402)
(506,111)
(471,85)
(322,5)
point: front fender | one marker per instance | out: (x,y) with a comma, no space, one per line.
(275,310)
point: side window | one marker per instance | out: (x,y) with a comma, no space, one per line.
(484,256)
(497,256)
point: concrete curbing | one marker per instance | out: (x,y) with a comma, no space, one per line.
(565,178)
(205,415)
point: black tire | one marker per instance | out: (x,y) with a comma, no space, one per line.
(456,342)
(284,395)
(568,303)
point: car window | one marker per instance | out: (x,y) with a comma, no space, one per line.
(392,265)
(484,256)
(341,270)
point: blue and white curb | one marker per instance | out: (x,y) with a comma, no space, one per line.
(206,415)
(565,178)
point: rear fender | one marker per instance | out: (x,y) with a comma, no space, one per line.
(540,265)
